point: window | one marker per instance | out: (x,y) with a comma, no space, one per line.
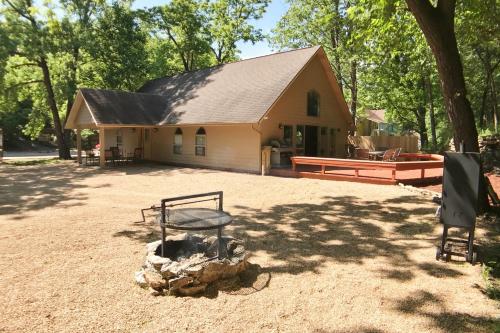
(299,136)
(287,134)
(178,141)
(323,130)
(313,103)
(146,134)
(200,142)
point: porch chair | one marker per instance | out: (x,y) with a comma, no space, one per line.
(137,155)
(108,156)
(388,155)
(396,154)
(116,155)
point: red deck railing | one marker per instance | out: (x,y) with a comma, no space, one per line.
(420,162)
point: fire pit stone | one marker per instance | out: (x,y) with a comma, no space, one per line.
(191,264)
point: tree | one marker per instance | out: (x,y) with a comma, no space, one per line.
(118,49)
(398,72)
(326,23)
(33,40)
(182,22)
(229,23)
(438,26)
(478,32)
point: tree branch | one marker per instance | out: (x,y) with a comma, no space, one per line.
(24,84)
(25,64)
(22,13)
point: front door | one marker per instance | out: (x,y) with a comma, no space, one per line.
(311,141)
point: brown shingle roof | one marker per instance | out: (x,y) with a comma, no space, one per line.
(238,92)
(124,108)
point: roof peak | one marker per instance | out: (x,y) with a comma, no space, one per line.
(317,47)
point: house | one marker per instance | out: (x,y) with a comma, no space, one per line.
(374,123)
(221,117)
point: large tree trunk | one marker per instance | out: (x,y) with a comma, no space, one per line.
(494,106)
(437,24)
(420,113)
(432,116)
(64,151)
(72,86)
(354,89)
(335,41)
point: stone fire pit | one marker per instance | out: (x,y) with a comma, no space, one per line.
(191,264)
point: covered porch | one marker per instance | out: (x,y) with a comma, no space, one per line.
(124,121)
(116,146)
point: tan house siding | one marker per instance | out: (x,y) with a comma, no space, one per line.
(84,118)
(291,109)
(232,147)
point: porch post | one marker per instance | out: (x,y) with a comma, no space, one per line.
(102,145)
(79,146)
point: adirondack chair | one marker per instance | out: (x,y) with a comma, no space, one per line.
(388,155)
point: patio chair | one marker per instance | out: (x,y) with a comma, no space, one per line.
(108,156)
(137,155)
(362,154)
(117,156)
(388,155)
(396,154)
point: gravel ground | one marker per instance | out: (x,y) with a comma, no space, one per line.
(342,257)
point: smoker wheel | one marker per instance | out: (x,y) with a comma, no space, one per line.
(438,253)
(474,258)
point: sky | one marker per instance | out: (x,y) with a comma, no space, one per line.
(275,11)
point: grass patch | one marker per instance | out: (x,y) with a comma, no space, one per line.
(491,273)
(41,161)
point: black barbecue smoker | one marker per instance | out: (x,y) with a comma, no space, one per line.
(462,179)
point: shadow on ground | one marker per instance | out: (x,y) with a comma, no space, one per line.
(445,319)
(26,188)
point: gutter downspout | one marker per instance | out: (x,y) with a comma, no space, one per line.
(260,146)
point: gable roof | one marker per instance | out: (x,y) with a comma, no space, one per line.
(124,108)
(238,92)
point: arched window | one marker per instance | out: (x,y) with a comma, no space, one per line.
(178,141)
(200,144)
(312,103)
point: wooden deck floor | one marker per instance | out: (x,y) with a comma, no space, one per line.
(410,177)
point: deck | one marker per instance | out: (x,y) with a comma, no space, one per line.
(411,169)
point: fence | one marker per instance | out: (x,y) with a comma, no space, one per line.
(409,143)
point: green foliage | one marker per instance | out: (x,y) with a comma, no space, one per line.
(490,272)
(228,21)
(181,22)
(107,45)
(118,49)
(325,23)
(395,68)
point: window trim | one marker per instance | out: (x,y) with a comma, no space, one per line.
(200,133)
(177,148)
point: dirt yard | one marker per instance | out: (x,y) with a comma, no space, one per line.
(342,257)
